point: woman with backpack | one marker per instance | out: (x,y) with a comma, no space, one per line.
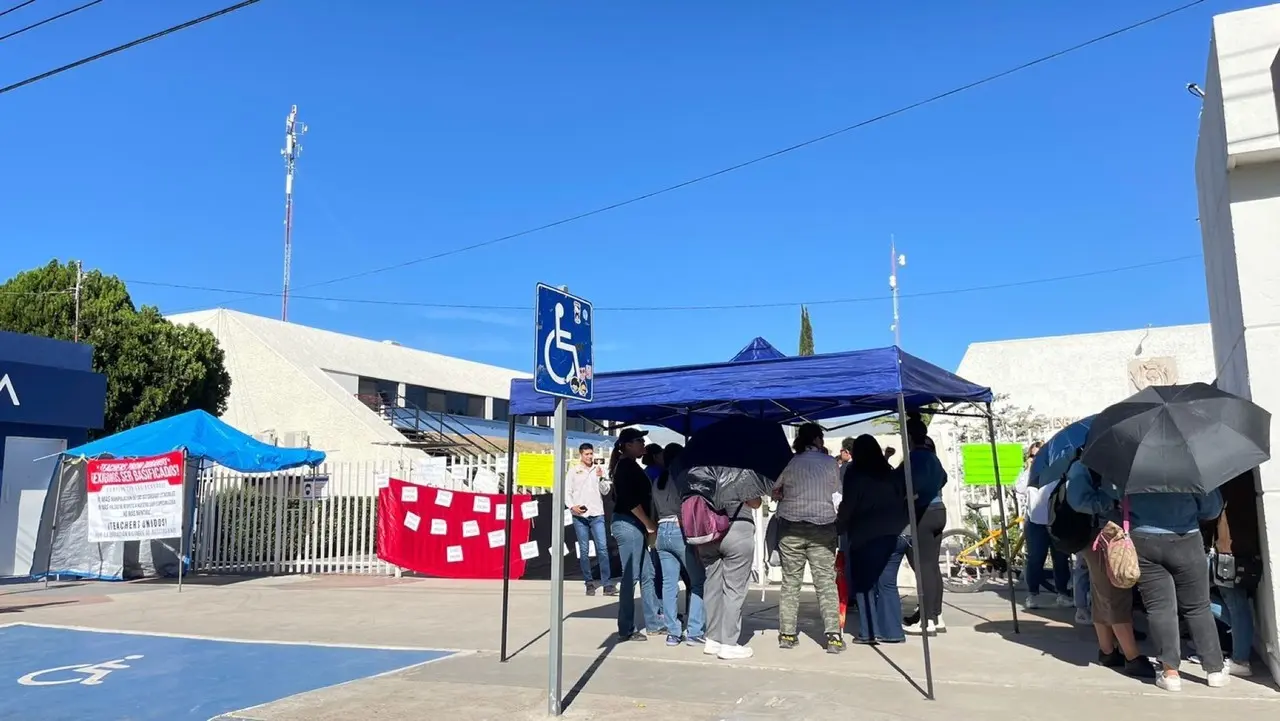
(871,519)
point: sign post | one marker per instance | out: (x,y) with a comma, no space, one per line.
(563,367)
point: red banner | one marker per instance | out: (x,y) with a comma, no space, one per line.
(452,534)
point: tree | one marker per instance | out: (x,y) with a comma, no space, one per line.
(154,368)
(806,333)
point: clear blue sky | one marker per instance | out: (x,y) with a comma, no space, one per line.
(440,124)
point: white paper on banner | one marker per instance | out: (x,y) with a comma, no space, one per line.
(568,517)
(500,511)
(411,521)
(134,499)
(458,474)
(453,554)
(497,538)
(444,498)
(470,529)
(486,481)
(409,494)
(529,509)
(529,550)
(381,480)
(439,527)
(431,472)
(482,505)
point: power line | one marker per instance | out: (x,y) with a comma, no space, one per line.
(659,308)
(48,20)
(19,6)
(768,156)
(121,48)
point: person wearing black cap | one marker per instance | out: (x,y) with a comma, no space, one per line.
(634,531)
(927,477)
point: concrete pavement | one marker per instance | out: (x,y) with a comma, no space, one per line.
(980,666)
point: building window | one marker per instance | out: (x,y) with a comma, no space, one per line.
(464,404)
(501,409)
(371,389)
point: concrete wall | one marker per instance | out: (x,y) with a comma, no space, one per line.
(1237,173)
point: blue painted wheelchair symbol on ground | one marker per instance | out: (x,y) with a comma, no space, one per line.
(60,674)
(562,335)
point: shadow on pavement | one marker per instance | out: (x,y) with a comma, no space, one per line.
(605,649)
(1070,645)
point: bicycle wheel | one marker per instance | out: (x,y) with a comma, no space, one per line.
(966,565)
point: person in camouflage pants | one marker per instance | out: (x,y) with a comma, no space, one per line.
(807,536)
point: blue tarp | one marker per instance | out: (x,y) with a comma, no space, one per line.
(831,385)
(202,436)
(758,349)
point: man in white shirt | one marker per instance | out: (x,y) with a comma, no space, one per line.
(583,498)
(1039,545)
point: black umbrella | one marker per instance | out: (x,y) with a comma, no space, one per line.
(733,460)
(1177,439)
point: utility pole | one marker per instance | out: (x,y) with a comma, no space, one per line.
(895,261)
(293,131)
(75,329)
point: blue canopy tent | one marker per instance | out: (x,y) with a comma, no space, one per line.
(782,389)
(758,349)
(204,438)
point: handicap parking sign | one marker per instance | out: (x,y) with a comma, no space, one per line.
(562,345)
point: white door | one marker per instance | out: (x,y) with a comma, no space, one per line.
(24,483)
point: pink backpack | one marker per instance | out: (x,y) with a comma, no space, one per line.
(701,523)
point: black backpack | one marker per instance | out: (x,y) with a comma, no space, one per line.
(1070,531)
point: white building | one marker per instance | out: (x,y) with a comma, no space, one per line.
(1237,171)
(362,400)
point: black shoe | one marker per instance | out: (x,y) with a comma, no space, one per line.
(1115,659)
(637,636)
(787,640)
(835,643)
(864,641)
(1139,667)
(591,589)
(610,590)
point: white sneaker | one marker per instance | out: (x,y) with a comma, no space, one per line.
(1239,668)
(936,627)
(711,648)
(1066,601)
(1031,602)
(1218,679)
(735,653)
(913,628)
(1173,684)
(1083,617)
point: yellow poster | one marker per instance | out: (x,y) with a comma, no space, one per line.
(535,470)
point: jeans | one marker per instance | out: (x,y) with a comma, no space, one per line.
(872,573)
(675,555)
(1175,581)
(1237,612)
(1080,582)
(587,529)
(637,565)
(1039,548)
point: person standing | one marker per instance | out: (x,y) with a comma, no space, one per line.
(807,536)
(928,478)
(676,558)
(583,499)
(633,529)
(1236,557)
(1035,529)
(846,452)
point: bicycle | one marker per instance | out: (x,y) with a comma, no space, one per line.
(972,560)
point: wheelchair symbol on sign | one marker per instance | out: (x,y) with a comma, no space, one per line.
(562,340)
(89,674)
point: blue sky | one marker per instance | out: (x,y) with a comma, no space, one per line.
(436,125)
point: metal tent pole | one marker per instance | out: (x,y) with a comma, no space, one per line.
(1004,519)
(506,558)
(915,544)
(53,524)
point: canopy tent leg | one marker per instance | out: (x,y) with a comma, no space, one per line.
(915,545)
(506,557)
(53,524)
(1004,519)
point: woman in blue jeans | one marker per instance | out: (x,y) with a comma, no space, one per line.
(633,530)
(674,556)
(871,519)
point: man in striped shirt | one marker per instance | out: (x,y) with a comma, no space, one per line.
(807,536)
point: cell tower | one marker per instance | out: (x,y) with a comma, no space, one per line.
(293,132)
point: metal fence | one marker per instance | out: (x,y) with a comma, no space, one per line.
(317,521)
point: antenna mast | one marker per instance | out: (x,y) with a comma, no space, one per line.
(895,261)
(293,131)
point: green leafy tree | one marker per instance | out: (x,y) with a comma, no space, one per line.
(154,368)
(806,333)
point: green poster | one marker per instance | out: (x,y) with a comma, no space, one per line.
(979,469)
